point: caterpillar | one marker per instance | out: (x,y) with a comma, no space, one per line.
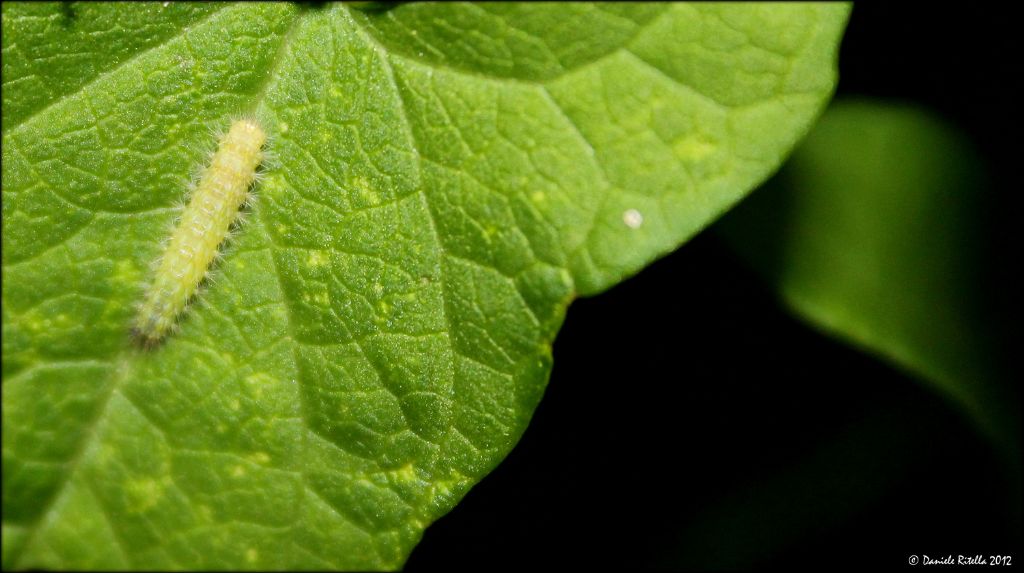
(222,189)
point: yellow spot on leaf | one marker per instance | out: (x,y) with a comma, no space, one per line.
(143,494)
(261,458)
(693,148)
(318,258)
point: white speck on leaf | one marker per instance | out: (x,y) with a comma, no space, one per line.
(633,218)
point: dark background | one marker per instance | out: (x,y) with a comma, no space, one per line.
(691,423)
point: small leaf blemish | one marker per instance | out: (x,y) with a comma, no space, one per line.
(633,218)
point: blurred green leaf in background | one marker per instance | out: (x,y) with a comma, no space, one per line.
(874,233)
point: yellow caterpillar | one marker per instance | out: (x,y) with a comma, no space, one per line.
(222,189)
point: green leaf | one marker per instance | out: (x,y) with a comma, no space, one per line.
(52,49)
(447,178)
(872,232)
